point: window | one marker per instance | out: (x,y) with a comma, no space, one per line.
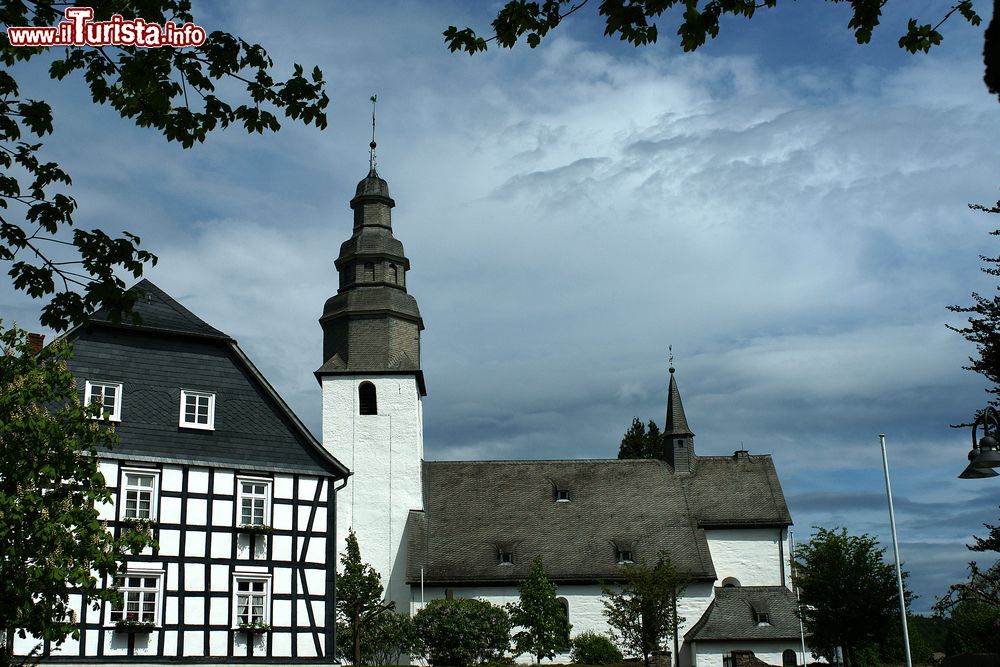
(562,495)
(393,274)
(254,501)
(564,605)
(140,598)
(730,582)
(367,400)
(139,494)
(506,557)
(762,618)
(369,271)
(197,409)
(624,552)
(251,600)
(788,658)
(680,443)
(109,395)
(625,556)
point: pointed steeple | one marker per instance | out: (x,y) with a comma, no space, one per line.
(677,435)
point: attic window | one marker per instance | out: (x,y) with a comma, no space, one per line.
(506,557)
(624,552)
(562,495)
(762,618)
(367,399)
(505,553)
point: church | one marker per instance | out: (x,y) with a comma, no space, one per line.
(445,529)
(250,511)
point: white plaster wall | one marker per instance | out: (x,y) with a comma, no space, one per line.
(752,555)
(710,654)
(586,612)
(384,452)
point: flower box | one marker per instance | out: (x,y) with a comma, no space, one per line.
(133,626)
(255,529)
(255,628)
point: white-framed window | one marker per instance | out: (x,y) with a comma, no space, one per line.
(254,501)
(251,600)
(140,595)
(139,493)
(108,394)
(197,409)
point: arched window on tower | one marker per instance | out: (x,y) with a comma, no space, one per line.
(367,401)
(564,604)
(393,274)
(369,271)
(788,658)
(730,582)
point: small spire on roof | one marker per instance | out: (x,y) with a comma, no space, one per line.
(371,146)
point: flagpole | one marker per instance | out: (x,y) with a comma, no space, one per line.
(895,551)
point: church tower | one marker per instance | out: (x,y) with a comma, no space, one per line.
(678,440)
(373,387)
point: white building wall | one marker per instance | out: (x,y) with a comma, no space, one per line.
(586,611)
(751,555)
(711,654)
(384,451)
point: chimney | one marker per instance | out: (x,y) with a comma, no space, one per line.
(36,341)
(741,455)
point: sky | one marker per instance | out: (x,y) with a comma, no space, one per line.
(785,208)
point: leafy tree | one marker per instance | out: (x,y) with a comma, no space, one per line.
(384,639)
(593,648)
(849,596)
(545,628)
(463,632)
(974,605)
(634,21)
(642,613)
(51,539)
(359,595)
(640,443)
(984,321)
(171,90)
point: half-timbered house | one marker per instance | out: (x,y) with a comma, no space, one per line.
(238,494)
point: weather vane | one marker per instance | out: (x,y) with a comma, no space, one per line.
(371,158)
(670,357)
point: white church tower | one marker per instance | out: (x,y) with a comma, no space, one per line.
(373,388)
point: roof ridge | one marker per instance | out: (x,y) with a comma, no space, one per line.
(533,461)
(161,312)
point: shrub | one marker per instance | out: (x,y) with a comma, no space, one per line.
(384,639)
(593,648)
(463,632)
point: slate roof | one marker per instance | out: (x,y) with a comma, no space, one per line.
(472,507)
(741,490)
(730,616)
(161,312)
(171,350)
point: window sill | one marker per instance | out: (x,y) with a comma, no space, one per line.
(255,529)
(198,427)
(253,628)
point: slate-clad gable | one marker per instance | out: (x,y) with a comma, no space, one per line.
(172,350)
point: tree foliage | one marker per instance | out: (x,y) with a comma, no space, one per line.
(384,639)
(544,626)
(170,90)
(463,632)
(593,648)
(642,612)
(642,443)
(359,598)
(974,605)
(849,595)
(51,538)
(634,21)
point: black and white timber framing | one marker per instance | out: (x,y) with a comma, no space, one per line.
(239,495)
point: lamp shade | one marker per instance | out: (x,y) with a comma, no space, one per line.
(977,473)
(987,458)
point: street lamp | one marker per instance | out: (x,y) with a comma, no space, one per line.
(985,453)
